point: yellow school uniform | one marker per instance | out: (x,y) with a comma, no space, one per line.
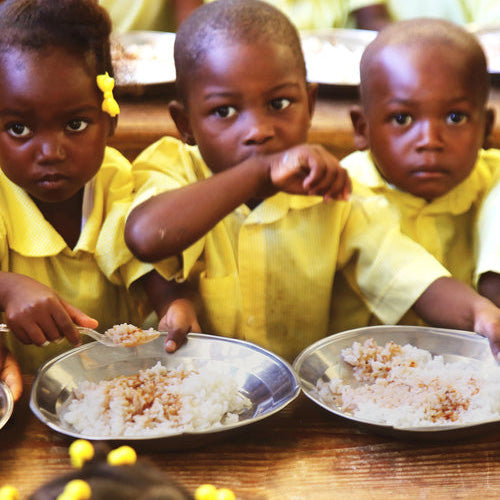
(266,275)
(444,227)
(488,234)
(93,276)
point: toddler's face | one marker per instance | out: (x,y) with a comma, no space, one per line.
(424,119)
(52,130)
(247,99)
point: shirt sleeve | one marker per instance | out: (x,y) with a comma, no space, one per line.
(168,164)
(389,269)
(488,236)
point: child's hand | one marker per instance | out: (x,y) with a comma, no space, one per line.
(487,323)
(36,314)
(179,320)
(10,373)
(310,169)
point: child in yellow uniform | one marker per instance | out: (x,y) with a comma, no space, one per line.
(421,127)
(63,193)
(243,216)
(488,246)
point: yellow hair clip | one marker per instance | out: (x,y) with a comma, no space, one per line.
(106,84)
(210,492)
(8,492)
(80,451)
(124,455)
(76,490)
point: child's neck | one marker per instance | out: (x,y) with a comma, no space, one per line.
(65,217)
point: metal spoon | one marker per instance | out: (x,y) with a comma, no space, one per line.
(100,337)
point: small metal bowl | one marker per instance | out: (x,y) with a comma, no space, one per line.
(264,378)
(6,404)
(322,360)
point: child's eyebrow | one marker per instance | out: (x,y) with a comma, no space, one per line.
(230,93)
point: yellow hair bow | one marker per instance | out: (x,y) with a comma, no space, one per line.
(106,84)
(76,490)
(8,492)
(80,451)
(210,492)
(124,455)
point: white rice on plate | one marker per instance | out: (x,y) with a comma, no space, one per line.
(405,386)
(155,401)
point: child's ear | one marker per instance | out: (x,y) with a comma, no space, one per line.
(488,129)
(360,128)
(312,96)
(179,114)
(112,126)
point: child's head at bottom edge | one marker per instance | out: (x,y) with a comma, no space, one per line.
(125,480)
(423,115)
(241,82)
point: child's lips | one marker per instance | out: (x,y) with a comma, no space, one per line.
(52,180)
(427,173)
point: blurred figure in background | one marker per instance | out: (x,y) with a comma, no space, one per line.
(156,15)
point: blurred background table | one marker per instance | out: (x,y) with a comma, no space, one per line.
(301,453)
(144,119)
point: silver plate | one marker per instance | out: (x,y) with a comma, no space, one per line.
(323,360)
(264,378)
(143,58)
(332,56)
(6,404)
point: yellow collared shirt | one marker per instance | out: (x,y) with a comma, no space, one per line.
(266,275)
(444,227)
(93,276)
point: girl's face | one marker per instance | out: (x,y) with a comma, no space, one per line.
(245,100)
(424,119)
(52,130)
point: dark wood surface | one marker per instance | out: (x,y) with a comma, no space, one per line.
(144,119)
(300,453)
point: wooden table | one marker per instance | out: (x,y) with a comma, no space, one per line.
(301,453)
(144,119)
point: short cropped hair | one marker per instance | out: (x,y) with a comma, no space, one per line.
(244,21)
(425,32)
(81,26)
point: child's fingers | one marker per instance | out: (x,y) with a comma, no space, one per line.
(74,317)
(11,375)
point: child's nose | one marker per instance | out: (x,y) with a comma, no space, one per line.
(259,131)
(430,135)
(51,148)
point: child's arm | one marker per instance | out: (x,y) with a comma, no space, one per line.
(450,303)
(36,314)
(175,304)
(167,224)
(489,286)
(10,373)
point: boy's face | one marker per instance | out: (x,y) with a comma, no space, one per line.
(245,100)
(424,120)
(52,130)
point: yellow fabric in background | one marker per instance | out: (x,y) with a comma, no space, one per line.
(445,228)
(128,15)
(93,276)
(266,275)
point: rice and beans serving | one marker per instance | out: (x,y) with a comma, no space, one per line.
(405,386)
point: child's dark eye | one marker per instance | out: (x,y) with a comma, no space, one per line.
(77,125)
(281,103)
(225,111)
(18,130)
(402,119)
(456,117)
